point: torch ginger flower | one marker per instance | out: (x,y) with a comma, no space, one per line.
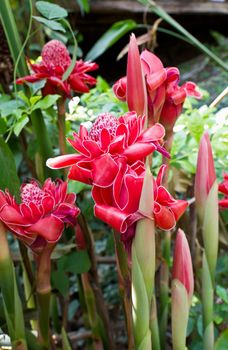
(118,204)
(39,219)
(109,139)
(55,61)
(223,188)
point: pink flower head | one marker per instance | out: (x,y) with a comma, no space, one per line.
(223,188)
(40,217)
(54,63)
(205,173)
(108,139)
(118,204)
(175,97)
(182,263)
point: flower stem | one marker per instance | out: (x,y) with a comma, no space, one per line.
(43,288)
(124,280)
(11,301)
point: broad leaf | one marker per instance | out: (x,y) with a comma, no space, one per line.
(75,262)
(109,38)
(20,124)
(50,11)
(8,178)
(54,25)
(222,341)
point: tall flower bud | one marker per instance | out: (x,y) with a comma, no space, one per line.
(182,290)
(136,86)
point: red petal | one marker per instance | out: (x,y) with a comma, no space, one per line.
(104,171)
(138,151)
(178,208)
(49,228)
(63,161)
(112,216)
(10,215)
(154,133)
(164,218)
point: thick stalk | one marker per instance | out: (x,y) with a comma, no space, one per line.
(43,289)
(154,326)
(11,300)
(143,267)
(95,285)
(124,281)
(164,302)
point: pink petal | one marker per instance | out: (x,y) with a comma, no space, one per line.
(10,215)
(120,88)
(151,63)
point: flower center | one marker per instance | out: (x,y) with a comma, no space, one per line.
(107,121)
(55,54)
(32,193)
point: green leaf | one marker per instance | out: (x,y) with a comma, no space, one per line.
(46,102)
(65,341)
(222,293)
(54,25)
(34,99)
(84,6)
(7,108)
(20,124)
(60,281)
(8,178)
(110,37)
(50,11)
(75,262)
(222,341)
(76,186)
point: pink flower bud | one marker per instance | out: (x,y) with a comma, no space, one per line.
(205,174)
(182,263)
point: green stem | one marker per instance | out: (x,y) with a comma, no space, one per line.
(164,302)
(11,300)
(124,281)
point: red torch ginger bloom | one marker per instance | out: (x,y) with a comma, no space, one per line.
(39,219)
(223,188)
(182,263)
(54,63)
(175,97)
(118,204)
(100,148)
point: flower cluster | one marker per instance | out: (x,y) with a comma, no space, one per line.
(223,188)
(40,217)
(165,96)
(111,158)
(55,61)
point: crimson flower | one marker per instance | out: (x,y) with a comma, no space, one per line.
(40,217)
(175,97)
(118,204)
(223,188)
(109,139)
(54,63)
